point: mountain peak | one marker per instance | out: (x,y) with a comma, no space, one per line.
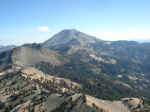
(69,36)
(70,30)
(68,33)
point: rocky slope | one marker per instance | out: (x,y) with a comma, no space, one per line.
(121,64)
(30,90)
(27,89)
(28,55)
(74,62)
(108,70)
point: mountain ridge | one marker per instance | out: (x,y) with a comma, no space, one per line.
(78,60)
(31,90)
(104,69)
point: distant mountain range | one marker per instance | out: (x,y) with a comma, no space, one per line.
(4,48)
(143,40)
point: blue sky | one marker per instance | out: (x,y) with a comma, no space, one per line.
(27,21)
